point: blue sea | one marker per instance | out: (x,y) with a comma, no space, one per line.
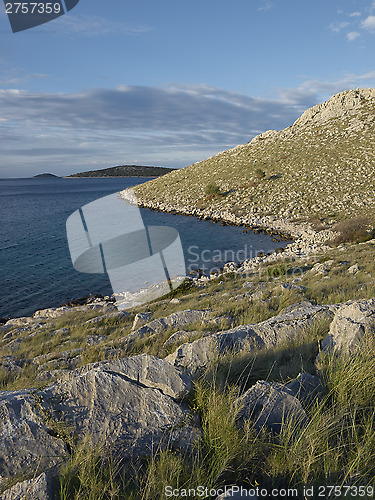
(36,267)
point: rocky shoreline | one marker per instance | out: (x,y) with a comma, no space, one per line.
(268,224)
(306,240)
(73,304)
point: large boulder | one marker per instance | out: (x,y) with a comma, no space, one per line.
(130,404)
(127,403)
(271,405)
(26,440)
(306,387)
(144,370)
(353,321)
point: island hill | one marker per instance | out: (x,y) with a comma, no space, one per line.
(318,171)
(46,176)
(125,171)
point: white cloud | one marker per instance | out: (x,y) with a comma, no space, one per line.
(352,35)
(266,6)
(355,14)
(202,116)
(172,126)
(369,23)
(338,26)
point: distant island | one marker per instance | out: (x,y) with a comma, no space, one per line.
(46,176)
(125,171)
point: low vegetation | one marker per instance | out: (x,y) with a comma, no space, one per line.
(212,190)
(358,229)
(338,444)
(260,174)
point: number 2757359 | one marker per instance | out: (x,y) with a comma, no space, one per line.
(32,8)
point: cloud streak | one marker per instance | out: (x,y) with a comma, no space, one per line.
(191,109)
(266,6)
(93,26)
(172,126)
(336,27)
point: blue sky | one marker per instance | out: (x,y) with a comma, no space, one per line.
(170,83)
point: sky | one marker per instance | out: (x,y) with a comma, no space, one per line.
(170,83)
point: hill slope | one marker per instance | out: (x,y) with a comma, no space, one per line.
(322,167)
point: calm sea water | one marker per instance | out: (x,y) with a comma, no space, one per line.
(36,269)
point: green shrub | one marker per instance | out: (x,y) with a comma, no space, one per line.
(274,272)
(213,190)
(260,174)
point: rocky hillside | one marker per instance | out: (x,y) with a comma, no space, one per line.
(320,168)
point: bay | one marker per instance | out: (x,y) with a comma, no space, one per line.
(36,268)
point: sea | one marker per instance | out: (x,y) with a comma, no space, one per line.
(36,265)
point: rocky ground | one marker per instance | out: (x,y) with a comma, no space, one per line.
(124,378)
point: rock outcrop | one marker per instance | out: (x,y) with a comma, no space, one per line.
(138,403)
(42,487)
(271,405)
(26,441)
(197,355)
(340,105)
(176,320)
(132,404)
(353,322)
